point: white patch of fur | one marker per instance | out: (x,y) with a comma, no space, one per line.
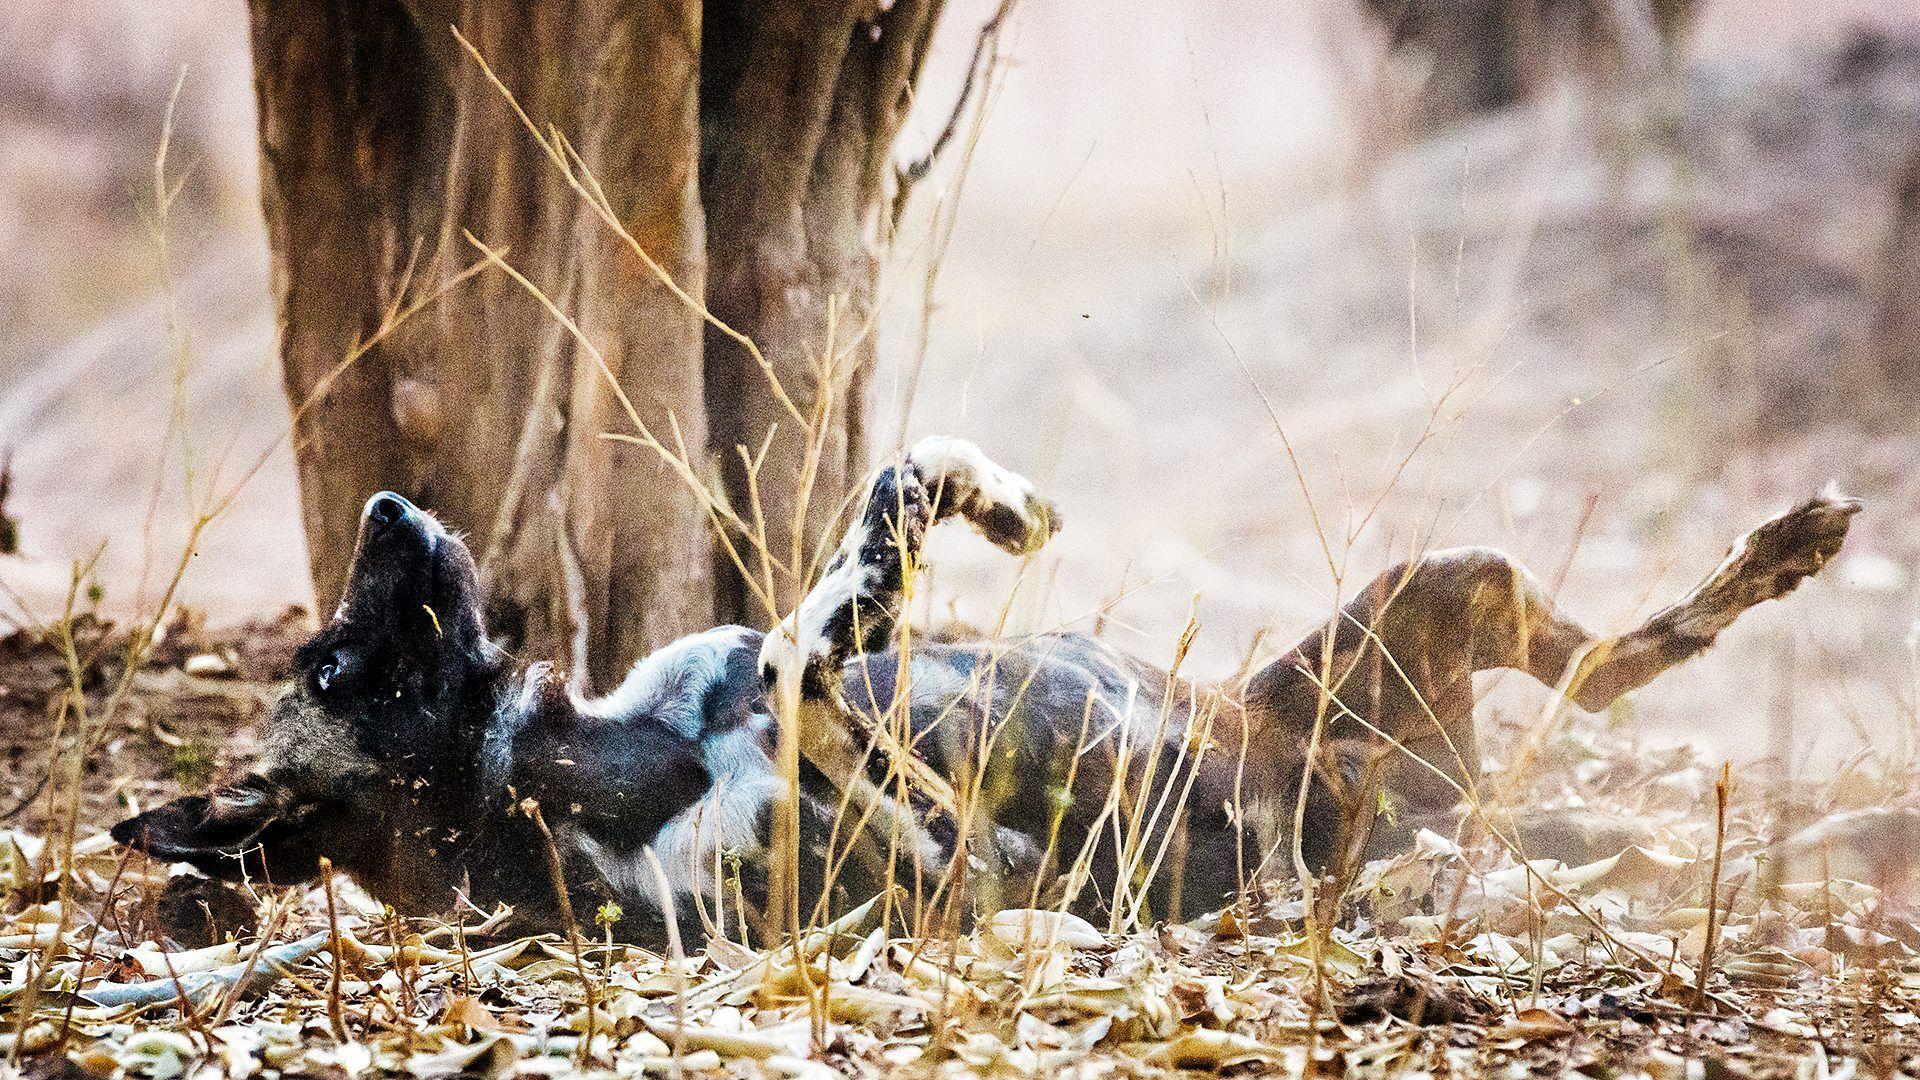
(627,875)
(1139,725)
(665,683)
(726,818)
(801,638)
(965,465)
(530,681)
(669,684)
(496,749)
(935,686)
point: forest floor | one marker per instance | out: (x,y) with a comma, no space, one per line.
(187,716)
(1453,959)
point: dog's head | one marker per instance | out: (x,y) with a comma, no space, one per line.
(383,706)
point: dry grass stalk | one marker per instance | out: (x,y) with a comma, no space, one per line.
(556,871)
(336,974)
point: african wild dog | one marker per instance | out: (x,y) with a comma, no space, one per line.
(408,745)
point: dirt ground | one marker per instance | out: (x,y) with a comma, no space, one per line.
(186,715)
(1455,960)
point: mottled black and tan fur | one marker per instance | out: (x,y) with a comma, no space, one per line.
(408,747)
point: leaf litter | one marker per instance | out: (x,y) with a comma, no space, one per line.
(1456,956)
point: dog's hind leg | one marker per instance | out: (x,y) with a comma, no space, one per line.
(1766,564)
(1393,672)
(1400,654)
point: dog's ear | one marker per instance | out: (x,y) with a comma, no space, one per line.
(222,834)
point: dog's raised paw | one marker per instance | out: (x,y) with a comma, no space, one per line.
(1773,559)
(1798,543)
(1002,504)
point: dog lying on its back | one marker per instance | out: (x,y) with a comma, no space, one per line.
(408,744)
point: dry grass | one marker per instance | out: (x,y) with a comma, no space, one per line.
(1461,956)
(1451,957)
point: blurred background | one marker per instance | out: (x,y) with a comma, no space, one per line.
(1257,290)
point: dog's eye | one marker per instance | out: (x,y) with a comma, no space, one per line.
(324,675)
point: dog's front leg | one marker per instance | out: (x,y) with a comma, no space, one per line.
(857,603)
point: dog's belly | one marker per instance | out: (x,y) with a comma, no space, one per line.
(1060,721)
(1063,722)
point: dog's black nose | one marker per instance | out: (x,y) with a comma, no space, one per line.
(386,508)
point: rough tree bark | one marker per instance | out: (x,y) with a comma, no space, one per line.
(800,105)
(741,144)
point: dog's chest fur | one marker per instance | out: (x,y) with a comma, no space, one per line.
(708,822)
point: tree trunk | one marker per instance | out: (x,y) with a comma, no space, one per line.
(1483,55)
(799,109)
(1893,367)
(383,143)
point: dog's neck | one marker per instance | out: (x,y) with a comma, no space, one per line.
(517,701)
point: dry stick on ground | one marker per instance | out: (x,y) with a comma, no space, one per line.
(1309,884)
(62,820)
(336,1009)
(1199,740)
(189,1011)
(677,953)
(275,919)
(1720,792)
(557,872)
(93,938)
(404,970)
(712,925)
(1128,852)
(793,727)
